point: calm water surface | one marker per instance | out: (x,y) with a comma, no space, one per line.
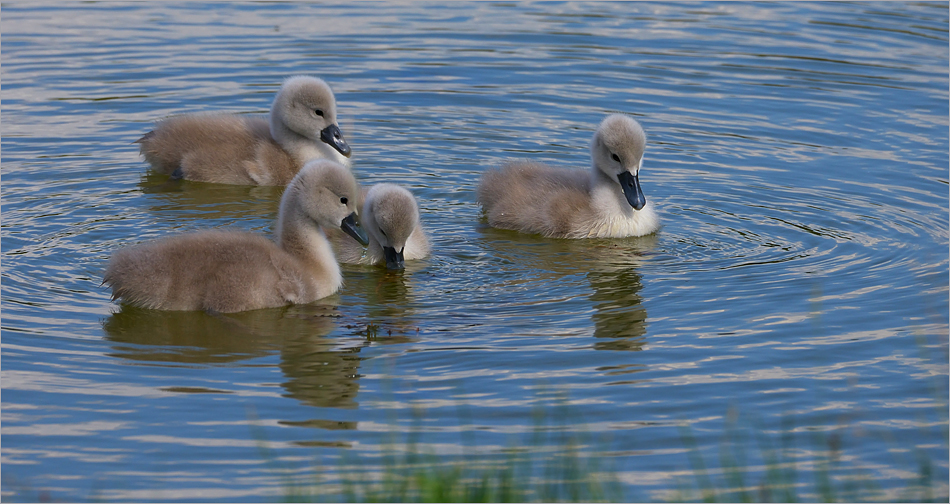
(798,156)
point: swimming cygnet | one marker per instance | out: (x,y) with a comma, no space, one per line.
(604,202)
(234,149)
(391,219)
(232,271)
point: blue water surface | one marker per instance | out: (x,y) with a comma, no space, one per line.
(798,289)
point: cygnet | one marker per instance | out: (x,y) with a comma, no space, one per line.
(603,202)
(237,149)
(391,218)
(232,271)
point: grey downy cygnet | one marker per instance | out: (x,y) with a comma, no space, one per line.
(603,202)
(235,149)
(390,216)
(232,271)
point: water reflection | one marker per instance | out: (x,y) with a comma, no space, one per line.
(318,372)
(389,298)
(196,200)
(619,315)
(183,337)
(318,376)
(610,267)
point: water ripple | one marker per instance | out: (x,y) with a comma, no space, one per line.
(797,156)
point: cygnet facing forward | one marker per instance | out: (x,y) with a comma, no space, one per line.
(232,271)
(603,202)
(391,218)
(235,149)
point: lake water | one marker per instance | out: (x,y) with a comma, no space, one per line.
(797,156)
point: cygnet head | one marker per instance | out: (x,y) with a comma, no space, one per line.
(390,215)
(306,106)
(617,150)
(325,192)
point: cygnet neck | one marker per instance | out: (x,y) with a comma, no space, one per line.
(607,195)
(302,148)
(300,236)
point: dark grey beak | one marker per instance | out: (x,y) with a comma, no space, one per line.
(631,189)
(350,227)
(332,136)
(394,260)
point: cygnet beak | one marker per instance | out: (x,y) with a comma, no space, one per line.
(631,189)
(350,227)
(394,260)
(332,136)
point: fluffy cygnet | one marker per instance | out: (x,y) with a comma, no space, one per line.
(604,202)
(235,149)
(232,271)
(391,218)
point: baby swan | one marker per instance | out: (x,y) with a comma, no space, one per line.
(605,202)
(234,149)
(391,219)
(232,271)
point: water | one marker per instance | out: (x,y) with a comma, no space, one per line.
(797,157)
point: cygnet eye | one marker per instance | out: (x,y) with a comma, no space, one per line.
(615,157)
(344,200)
(318,112)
